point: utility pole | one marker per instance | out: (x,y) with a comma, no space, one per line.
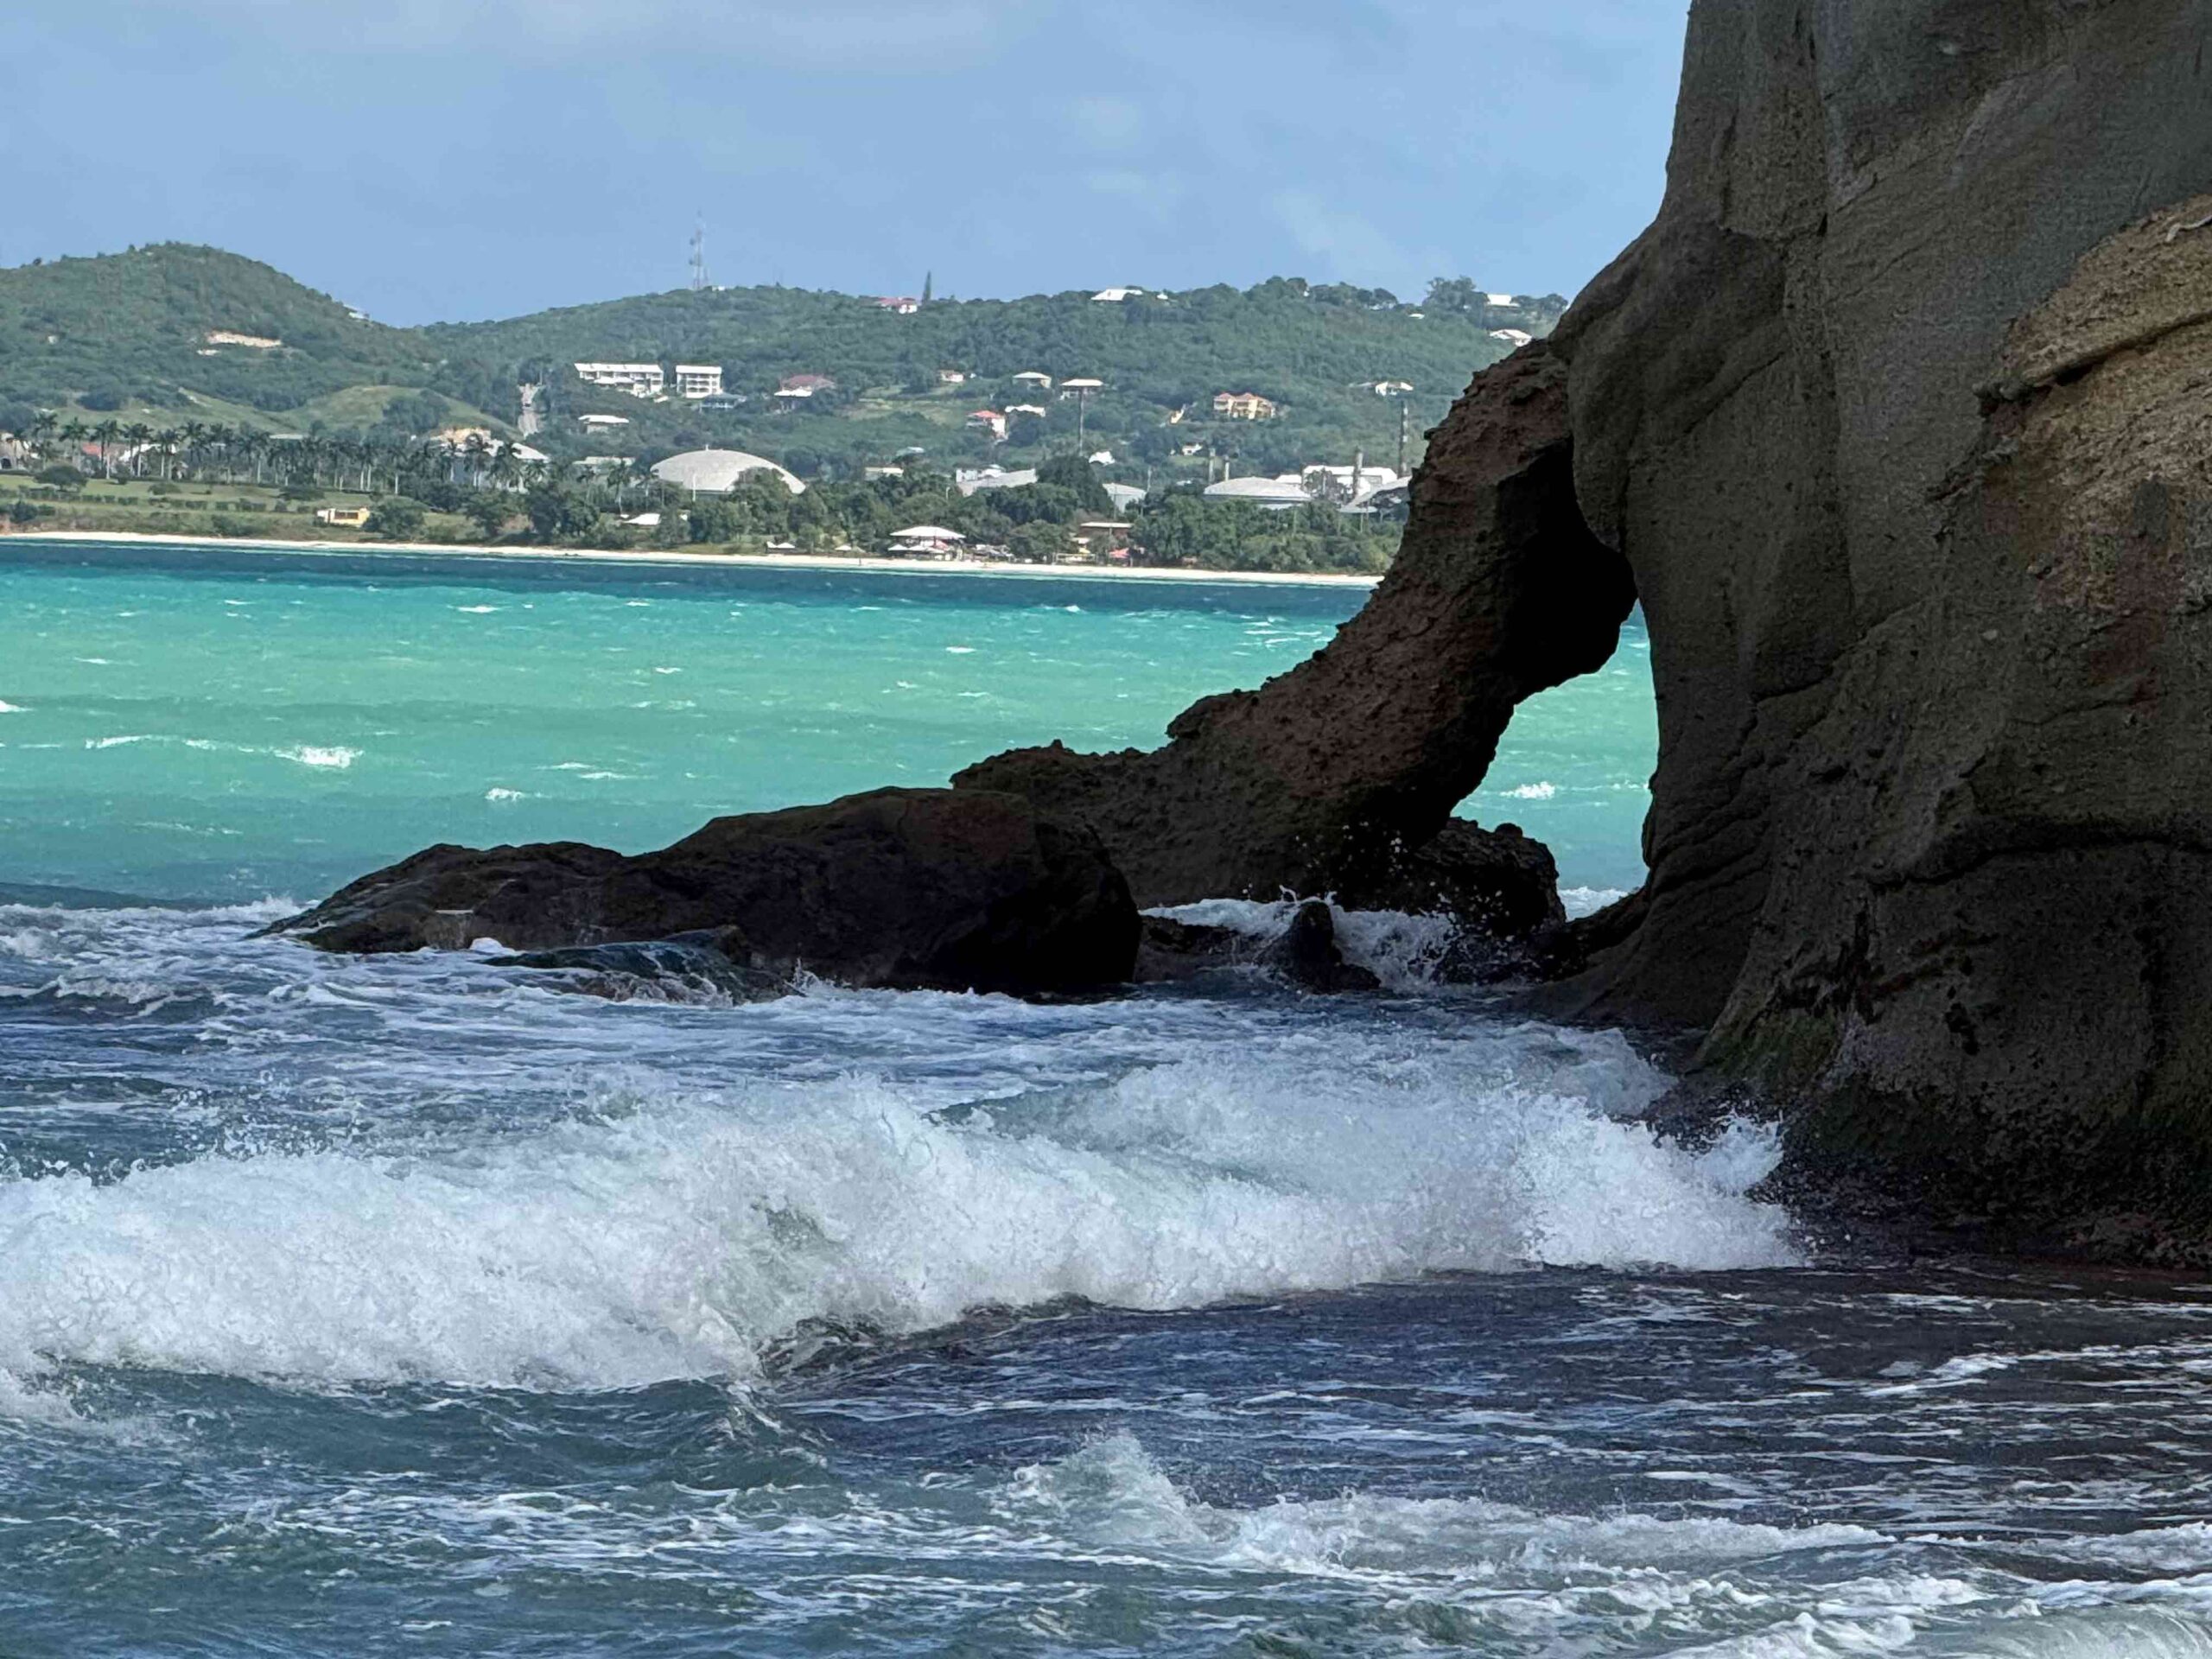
(1402,418)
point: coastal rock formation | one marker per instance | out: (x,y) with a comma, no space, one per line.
(1340,776)
(911,889)
(1895,422)
(1899,413)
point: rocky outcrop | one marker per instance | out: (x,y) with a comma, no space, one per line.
(1898,415)
(1340,776)
(906,889)
(1895,422)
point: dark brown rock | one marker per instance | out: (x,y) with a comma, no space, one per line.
(1307,957)
(909,889)
(1337,775)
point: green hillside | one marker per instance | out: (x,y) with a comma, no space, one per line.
(137,325)
(131,333)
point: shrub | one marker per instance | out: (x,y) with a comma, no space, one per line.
(395,519)
(62,476)
(27,512)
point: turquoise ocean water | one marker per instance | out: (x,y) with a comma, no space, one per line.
(419,1305)
(227,725)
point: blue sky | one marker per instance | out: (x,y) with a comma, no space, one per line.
(435,160)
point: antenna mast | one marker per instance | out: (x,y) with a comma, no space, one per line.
(699,256)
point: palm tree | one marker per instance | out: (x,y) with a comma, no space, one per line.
(168,438)
(140,435)
(195,445)
(477,453)
(105,434)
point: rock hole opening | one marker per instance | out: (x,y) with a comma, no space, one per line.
(1573,770)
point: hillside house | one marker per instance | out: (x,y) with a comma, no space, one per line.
(1516,337)
(601,423)
(697,380)
(952,377)
(1038,409)
(1036,378)
(1393,388)
(638,379)
(1115,295)
(15,454)
(342,517)
(904,305)
(1243,406)
(807,384)
(988,420)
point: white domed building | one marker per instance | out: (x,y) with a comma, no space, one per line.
(717,471)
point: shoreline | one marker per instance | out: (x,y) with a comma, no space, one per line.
(818,561)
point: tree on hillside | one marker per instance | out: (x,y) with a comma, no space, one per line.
(1040,541)
(1080,478)
(395,519)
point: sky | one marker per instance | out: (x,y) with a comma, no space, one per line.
(451,160)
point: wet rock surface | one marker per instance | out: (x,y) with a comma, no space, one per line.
(904,889)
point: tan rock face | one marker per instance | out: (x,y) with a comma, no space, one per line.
(1900,414)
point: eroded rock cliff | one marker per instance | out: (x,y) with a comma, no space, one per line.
(1903,431)
(1897,421)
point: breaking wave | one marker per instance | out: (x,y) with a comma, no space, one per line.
(687,1237)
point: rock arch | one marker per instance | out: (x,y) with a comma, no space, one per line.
(1341,775)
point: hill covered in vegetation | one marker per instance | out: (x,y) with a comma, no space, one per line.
(182,333)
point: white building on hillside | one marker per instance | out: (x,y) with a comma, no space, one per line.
(717,471)
(1275,494)
(968,481)
(699,379)
(1115,295)
(638,379)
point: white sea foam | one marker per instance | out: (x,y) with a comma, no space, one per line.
(1588,901)
(120,743)
(309,755)
(1400,950)
(1111,1493)
(497,794)
(1543,792)
(686,1238)
(7,708)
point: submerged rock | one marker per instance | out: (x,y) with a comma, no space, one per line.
(904,889)
(1306,954)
